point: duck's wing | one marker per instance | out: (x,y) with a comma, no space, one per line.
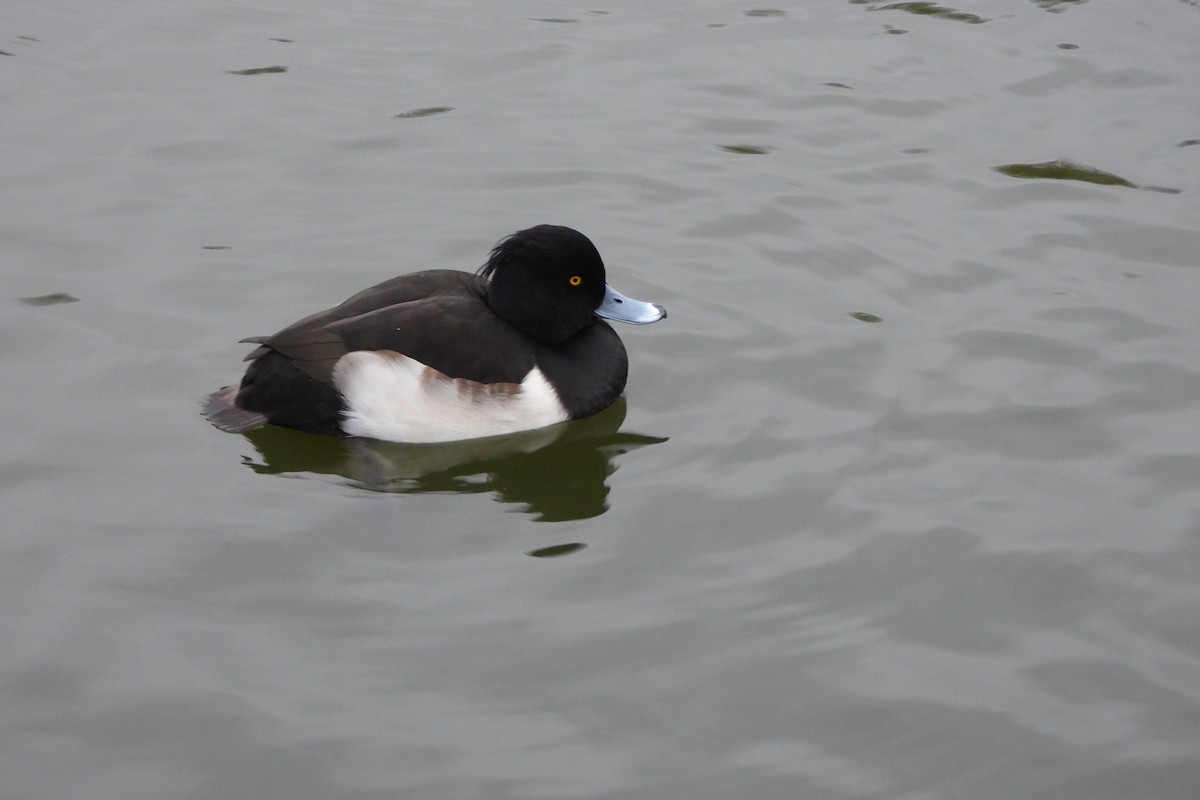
(394,291)
(455,334)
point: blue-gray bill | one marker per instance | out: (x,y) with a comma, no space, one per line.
(617,306)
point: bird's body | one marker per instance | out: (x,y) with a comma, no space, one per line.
(442,355)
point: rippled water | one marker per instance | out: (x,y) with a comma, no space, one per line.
(903,502)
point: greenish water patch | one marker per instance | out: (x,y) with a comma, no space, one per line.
(1057,5)
(557,550)
(258,71)
(744,149)
(863,316)
(417,113)
(1063,171)
(927,10)
(1068,170)
(49,299)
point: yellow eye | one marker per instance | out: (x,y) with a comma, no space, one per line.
(575,280)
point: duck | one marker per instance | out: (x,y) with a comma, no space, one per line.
(445,355)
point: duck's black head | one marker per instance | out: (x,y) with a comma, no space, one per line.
(547,281)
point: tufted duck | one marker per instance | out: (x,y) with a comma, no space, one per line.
(443,355)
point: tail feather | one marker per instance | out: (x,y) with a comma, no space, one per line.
(222,410)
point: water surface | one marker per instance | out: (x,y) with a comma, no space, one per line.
(903,500)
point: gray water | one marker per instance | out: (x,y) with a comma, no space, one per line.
(903,500)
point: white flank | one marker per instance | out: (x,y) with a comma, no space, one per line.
(393,397)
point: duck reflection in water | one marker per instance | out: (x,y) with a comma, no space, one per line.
(559,473)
